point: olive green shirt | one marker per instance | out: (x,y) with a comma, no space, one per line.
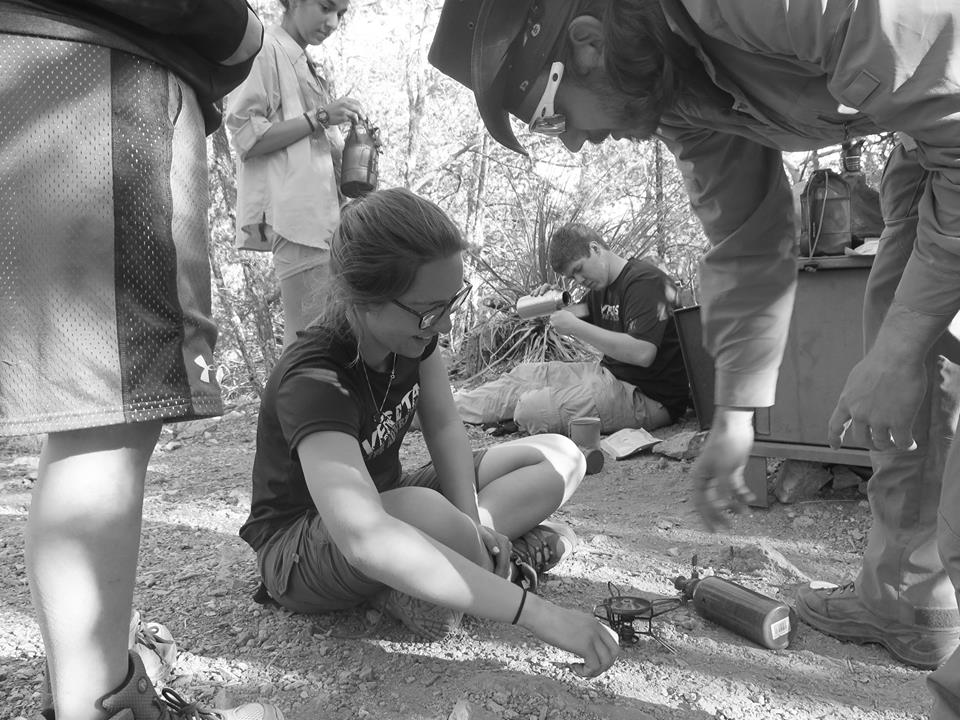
(789,75)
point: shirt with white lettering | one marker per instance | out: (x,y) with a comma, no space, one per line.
(320,385)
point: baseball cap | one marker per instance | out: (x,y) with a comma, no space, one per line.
(498,48)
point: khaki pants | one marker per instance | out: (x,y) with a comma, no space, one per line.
(909,561)
(545,397)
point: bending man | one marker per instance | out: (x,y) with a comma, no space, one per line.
(728,87)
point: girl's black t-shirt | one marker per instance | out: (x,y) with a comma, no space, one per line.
(319,384)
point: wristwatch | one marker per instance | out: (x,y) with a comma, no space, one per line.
(323,118)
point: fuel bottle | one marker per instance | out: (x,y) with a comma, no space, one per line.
(530,306)
(764,620)
(359,172)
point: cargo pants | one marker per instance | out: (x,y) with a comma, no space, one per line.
(545,397)
(911,565)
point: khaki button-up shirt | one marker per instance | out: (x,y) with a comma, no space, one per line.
(292,190)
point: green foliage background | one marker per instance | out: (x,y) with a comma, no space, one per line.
(507,205)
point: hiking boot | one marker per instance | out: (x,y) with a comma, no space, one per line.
(137,699)
(426,619)
(154,644)
(838,612)
(539,550)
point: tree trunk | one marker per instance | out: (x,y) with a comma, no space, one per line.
(660,231)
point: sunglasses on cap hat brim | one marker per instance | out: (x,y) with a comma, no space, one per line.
(497,49)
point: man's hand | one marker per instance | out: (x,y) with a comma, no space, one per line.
(544,289)
(565,322)
(880,399)
(499,547)
(718,471)
(883,392)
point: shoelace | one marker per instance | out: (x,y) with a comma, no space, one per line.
(538,552)
(531,554)
(146,636)
(183,710)
(526,575)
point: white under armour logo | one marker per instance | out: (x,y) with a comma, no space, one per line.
(201,361)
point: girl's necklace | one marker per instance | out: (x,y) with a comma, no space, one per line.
(393,373)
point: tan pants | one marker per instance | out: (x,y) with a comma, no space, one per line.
(545,397)
(909,561)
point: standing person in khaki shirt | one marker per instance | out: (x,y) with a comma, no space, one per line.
(284,125)
(729,86)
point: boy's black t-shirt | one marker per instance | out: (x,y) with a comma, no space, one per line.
(640,302)
(318,384)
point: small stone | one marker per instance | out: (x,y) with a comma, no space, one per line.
(677,446)
(799,480)
(461,711)
(844,477)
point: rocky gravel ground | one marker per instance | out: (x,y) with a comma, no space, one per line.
(637,529)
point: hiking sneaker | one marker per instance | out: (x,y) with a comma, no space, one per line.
(838,612)
(430,621)
(138,700)
(155,645)
(539,550)
(151,641)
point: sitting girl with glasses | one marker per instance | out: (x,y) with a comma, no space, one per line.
(336,522)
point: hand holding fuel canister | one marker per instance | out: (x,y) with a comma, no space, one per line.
(546,300)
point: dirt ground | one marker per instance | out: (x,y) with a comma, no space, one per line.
(637,528)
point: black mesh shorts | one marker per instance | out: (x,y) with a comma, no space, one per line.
(104,275)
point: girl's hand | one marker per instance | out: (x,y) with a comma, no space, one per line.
(344,110)
(574,631)
(499,547)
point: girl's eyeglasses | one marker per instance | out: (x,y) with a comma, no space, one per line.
(431,316)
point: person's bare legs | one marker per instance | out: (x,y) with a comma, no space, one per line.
(302,301)
(432,513)
(523,481)
(82,541)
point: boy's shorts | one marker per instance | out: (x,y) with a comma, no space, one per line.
(104,276)
(304,571)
